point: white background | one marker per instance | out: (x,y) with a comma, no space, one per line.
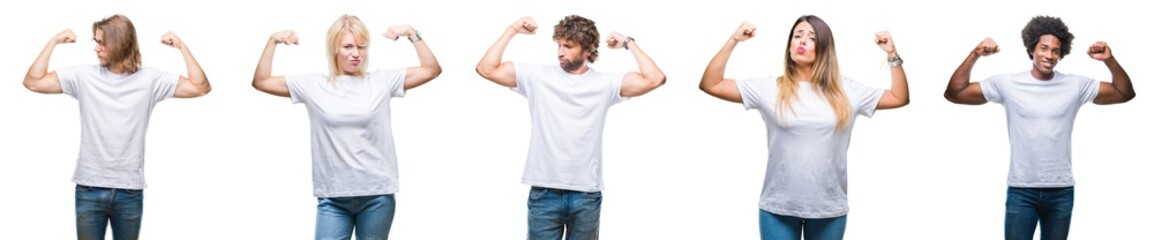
(679,164)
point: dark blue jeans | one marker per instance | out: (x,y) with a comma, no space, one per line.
(557,212)
(1026,207)
(98,207)
(779,227)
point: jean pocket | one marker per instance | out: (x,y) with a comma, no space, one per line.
(132,191)
(82,188)
(596,195)
(536,193)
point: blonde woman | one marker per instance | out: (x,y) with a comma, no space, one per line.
(809,114)
(354,162)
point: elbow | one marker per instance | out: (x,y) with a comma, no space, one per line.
(435,71)
(953,98)
(657,81)
(1128,97)
(483,71)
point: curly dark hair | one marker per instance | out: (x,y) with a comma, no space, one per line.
(581,30)
(1042,25)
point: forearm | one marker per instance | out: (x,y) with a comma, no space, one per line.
(39,68)
(264,67)
(715,71)
(492,59)
(426,57)
(899,86)
(961,77)
(648,69)
(1120,79)
(196,75)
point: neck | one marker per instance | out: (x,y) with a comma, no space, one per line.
(805,72)
(1041,76)
(115,70)
(578,71)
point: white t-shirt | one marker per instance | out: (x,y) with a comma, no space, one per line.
(1040,118)
(806,173)
(114,114)
(351,131)
(568,118)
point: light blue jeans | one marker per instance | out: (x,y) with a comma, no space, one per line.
(98,207)
(370,216)
(780,227)
(557,212)
(1026,207)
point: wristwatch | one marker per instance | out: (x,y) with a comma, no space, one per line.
(896,61)
(415,37)
(626,43)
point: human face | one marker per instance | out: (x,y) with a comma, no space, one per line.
(570,55)
(1046,56)
(802,46)
(101,51)
(350,54)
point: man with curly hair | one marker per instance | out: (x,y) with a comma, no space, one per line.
(1040,108)
(567,106)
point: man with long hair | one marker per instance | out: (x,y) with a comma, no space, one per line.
(116,99)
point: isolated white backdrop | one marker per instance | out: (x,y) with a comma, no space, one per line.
(679,164)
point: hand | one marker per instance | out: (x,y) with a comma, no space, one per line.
(525,25)
(616,40)
(286,37)
(744,32)
(171,40)
(1100,51)
(64,37)
(987,47)
(886,42)
(395,32)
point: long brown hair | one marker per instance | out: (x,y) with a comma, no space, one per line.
(826,76)
(119,42)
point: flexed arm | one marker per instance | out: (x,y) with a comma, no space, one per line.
(491,67)
(1119,89)
(637,83)
(899,94)
(38,79)
(263,79)
(429,69)
(713,81)
(960,90)
(196,83)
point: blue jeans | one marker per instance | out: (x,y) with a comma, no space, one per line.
(1026,207)
(780,227)
(370,216)
(553,212)
(97,207)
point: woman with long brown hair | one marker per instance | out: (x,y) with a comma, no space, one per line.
(809,114)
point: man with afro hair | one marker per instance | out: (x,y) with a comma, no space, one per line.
(1040,108)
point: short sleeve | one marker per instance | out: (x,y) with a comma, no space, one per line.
(299,86)
(1089,89)
(393,81)
(164,84)
(68,78)
(754,91)
(615,80)
(523,77)
(863,98)
(992,87)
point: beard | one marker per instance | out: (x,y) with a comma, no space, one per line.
(572,65)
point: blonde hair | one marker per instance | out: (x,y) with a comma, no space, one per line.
(346,24)
(826,75)
(119,42)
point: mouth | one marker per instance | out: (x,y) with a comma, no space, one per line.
(800,50)
(1047,64)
